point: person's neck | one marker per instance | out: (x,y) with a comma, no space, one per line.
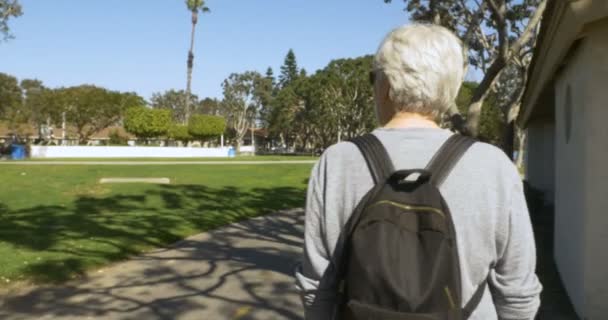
(410,120)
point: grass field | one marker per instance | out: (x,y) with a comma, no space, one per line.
(242,158)
(57,221)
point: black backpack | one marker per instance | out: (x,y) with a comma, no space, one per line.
(400,259)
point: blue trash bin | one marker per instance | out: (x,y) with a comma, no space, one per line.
(17,152)
(231,152)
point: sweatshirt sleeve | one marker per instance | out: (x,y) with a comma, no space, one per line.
(515,286)
(318,296)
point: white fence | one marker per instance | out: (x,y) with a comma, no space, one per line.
(127,152)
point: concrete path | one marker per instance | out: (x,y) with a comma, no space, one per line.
(151,163)
(243,271)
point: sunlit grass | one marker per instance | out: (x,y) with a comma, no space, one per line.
(57,221)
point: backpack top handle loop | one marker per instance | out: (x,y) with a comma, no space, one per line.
(405,175)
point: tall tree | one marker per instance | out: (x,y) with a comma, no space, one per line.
(289,70)
(195,7)
(265,91)
(334,103)
(8,9)
(210,106)
(496,33)
(174,101)
(38,105)
(11,98)
(240,104)
(91,109)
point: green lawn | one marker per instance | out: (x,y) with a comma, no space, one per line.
(241,158)
(57,221)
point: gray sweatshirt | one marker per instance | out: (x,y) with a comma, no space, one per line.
(485,196)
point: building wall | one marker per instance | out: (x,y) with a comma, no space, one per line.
(581,198)
(596,266)
(540,156)
(570,178)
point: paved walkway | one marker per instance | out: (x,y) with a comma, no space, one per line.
(152,163)
(244,271)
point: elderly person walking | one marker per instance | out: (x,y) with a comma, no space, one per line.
(418,73)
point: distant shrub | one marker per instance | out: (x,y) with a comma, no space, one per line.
(116,139)
(204,127)
(179,132)
(147,123)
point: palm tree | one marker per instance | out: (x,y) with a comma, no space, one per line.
(194,6)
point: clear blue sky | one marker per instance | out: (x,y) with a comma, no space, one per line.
(141,45)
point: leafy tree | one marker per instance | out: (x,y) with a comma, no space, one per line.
(335,103)
(265,92)
(282,116)
(173,100)
(179,132)
(8,9)
(195,7)
(240,103)
(492,123)
(346,83)
(10,97)
(146,123)
(116,139)
(210,106)
(289,70)
(38,104)
(497,33)
(204,127)
(91,109)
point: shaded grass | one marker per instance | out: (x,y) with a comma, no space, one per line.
(56,222)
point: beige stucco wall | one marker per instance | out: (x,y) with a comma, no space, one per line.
(570,209)
(540,156)
(596,165)
(581,166)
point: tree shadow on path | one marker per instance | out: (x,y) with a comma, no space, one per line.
(243,271)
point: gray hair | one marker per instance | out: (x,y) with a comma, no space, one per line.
(424,66)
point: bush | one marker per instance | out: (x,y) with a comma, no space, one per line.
(179,132)
(206,126)
(116,139)
(147,123)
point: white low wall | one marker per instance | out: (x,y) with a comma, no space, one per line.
(125,152)
(247,149)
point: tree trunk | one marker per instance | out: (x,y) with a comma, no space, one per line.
(190,65)
(239,142)
(522,137)
(63,128)
(508,144)
(282,136)
(480,94)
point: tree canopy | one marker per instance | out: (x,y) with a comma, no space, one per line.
(204,127)
(174,100)
(91,109)
(146,123)
(8,9)
(289,70)
(240,103)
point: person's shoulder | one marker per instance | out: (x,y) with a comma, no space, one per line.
(340,155)
(340,150)
(485,155)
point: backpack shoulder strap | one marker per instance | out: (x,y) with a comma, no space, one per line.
(446,158)
(475,300)
(378,161)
